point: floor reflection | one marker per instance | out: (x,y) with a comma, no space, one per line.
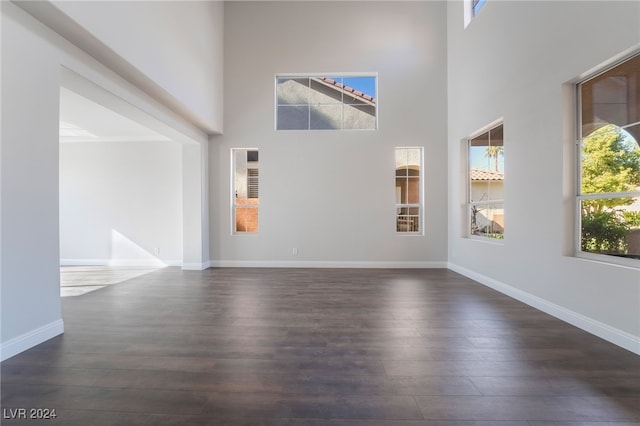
(79,280)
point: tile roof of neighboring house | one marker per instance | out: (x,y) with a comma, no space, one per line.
(482,174)
(356,93)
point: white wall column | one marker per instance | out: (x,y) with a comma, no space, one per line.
(195,206)
(30,290)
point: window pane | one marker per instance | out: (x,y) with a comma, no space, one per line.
(364,87)
(611,226)
(324,92)
(246,189)
(408,219)
(612,97)
(293,118)
(610,161)
(326,117)
(486,183)
(246,218)
(486,153)
(402,191)
(408,189)
(360,117)
(496,137)
(487,190)
(252,183)
(487,220)
(410,157)
(240,173)
(293,91)
(477,5)
(413,190)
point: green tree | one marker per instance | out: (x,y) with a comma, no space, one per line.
(494,152)
(610,164)
(604,232)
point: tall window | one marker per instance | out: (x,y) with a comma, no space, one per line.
(245,178)
(409,190)
(486,184)
(326,103)
(609,166)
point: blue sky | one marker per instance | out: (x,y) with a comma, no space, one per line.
(479,161)
(366,85)
(478,6)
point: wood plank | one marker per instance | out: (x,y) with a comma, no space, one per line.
(303,346)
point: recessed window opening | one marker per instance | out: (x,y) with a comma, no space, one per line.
(486,184)
(245,190)
(322,102)
(408,178)
(608,200)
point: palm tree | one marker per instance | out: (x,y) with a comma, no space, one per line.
(494,152)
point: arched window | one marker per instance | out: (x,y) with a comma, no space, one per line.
(609,167)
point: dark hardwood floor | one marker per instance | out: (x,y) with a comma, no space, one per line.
(357,347)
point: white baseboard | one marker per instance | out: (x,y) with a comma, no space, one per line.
(120,262)
(617,337)
(139,262)
(325,264)
(30,339)
(196,266)
(84,262)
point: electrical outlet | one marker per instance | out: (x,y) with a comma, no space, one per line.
(156,250)
(295,251)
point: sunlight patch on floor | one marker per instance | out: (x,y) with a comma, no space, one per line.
(79,280)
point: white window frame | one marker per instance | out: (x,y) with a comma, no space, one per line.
(233,194)
(470,11)
(603,258)
(420,205)
(469,203)
(319,75)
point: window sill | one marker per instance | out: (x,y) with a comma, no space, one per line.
(611,260)
(487,240)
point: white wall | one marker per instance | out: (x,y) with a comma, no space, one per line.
(32,59)
(177,44)
(30,290)
(516,60)
(331,194)
(119,202)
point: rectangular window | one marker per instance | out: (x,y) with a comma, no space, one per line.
(409,190)
(608,201)
(326,103)
(486,184)
(245,178)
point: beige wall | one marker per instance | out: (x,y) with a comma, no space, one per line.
(332,194)
(525,57)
